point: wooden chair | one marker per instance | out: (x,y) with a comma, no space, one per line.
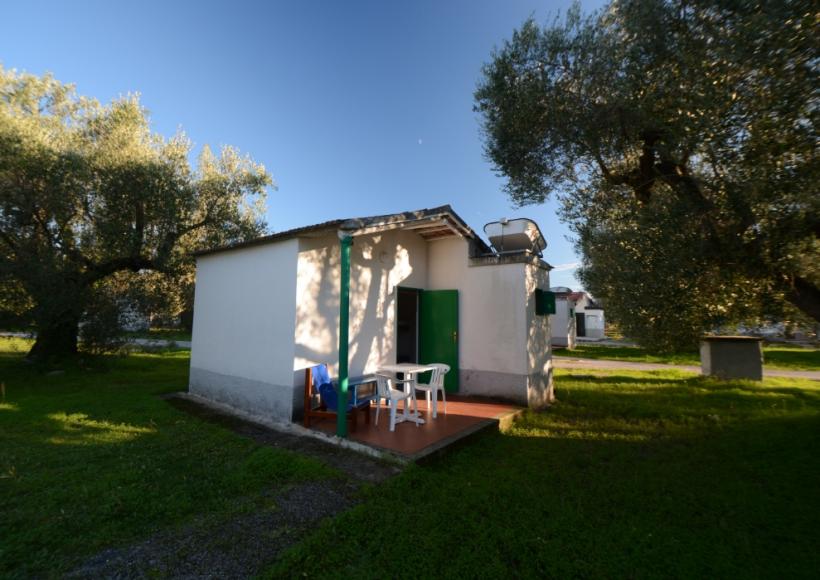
(319,386)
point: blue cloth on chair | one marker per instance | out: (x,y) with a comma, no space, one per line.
(327,390)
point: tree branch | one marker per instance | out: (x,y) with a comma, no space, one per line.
(804,294)
(132,263)
(677,176)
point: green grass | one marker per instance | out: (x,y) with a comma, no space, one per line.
(161,334)
(775,356)
(632,474)
(91,459)
(628,353)
(791,358)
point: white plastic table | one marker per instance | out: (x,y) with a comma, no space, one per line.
(410,370)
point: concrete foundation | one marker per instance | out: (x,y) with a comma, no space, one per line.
(732,357)
(534,391)
(507,386)
(540,391)
(249,396)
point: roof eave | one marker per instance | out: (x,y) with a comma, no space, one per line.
(442,216)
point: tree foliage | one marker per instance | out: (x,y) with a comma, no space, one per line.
(682,138)
(89,192)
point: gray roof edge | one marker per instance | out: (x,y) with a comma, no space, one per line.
(350,224)
(501,259)
(271,238)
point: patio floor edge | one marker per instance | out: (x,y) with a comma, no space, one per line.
(291,428)
(500,422)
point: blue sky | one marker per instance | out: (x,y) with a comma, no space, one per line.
(356,108)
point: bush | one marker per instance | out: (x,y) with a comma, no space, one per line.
(101,328)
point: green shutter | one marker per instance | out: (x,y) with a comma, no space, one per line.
(544,302)
(549,302)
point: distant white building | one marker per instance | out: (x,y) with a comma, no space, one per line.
(562,323)
(589,316)
(132,318)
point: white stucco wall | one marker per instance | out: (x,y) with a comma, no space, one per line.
(264,314)
(244,315)
(563,323)
(581,303)
(379,264)
(492,307)
(595,323)
(539,342)
(503,346)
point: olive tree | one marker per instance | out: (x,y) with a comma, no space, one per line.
(681,137)
(88,191)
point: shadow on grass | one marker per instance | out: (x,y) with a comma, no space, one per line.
(92,457)
(714,505)
(674,477)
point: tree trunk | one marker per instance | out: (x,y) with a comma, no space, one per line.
(56,340)
(805,296)
(186,319)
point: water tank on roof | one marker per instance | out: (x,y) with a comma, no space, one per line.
(515,236)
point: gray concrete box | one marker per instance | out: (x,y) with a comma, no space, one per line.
(732,357)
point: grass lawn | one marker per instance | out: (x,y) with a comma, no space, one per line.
(775,356)
(91,459)
(161,334)
(632,474)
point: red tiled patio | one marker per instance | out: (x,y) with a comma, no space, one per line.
(409,441)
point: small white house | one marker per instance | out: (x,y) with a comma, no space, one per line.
(423,288)
(589,317)
(562,323)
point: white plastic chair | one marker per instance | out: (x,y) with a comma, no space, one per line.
(386,391)
(435,386)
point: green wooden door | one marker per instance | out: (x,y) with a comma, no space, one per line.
(438,331)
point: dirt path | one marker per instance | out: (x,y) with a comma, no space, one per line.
(566,362)
(241,546)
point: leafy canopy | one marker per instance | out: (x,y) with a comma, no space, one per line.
(88,191)
(681,137)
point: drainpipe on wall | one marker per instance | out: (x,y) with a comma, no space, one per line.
(344,314)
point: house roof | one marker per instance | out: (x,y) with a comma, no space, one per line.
(592,303)
(430,224)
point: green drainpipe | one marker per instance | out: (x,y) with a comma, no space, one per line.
(344,315)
